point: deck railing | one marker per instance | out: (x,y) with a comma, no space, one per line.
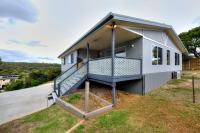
(101,66)
(63,75)
(127,66)
(122,66)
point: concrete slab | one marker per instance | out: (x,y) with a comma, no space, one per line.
(16,104)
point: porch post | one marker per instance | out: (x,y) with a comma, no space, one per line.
(113,64)
(88,55)
(59,90)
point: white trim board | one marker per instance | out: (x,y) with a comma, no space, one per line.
(147,38)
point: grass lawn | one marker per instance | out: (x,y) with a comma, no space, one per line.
(168,109)
(51,120)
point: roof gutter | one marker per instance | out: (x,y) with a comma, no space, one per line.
(179,40)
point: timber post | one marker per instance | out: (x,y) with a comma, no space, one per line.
(113,65)
(87,91)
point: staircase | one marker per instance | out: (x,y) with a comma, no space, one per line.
(70,79)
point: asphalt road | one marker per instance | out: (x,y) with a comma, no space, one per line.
(16,104)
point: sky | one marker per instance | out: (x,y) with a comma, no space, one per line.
(40,30)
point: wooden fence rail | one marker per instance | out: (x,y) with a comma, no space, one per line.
(191,64)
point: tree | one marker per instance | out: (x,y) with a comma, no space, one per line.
(14,85)
(191,40)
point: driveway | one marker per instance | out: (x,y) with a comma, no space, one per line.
(15,104)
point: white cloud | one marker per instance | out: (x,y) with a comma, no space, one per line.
(33,43)
(18,10)
(18,56)
(63,22)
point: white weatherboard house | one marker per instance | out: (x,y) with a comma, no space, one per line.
(134,54)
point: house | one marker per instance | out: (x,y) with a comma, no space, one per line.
(6,79)
(135,54)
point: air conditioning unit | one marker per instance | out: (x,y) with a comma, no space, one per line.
(176,75)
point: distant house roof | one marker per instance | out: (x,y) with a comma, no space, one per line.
(8,77)
(113,17)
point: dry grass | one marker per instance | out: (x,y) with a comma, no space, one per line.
(168,109)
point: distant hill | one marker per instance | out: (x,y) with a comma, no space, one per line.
(21,67)
(30,74)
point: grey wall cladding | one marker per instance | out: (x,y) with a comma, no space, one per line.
(155,80)
(133,86)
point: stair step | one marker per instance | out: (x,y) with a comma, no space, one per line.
(78,75)
(70,82)
(76,78)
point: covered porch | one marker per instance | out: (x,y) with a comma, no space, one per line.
(113,54)
(109,55)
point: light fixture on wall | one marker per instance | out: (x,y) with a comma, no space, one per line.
(132,45)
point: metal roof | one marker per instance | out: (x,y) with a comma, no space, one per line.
(117,17)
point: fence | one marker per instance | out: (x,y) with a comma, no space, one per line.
(196,90)
(191,64)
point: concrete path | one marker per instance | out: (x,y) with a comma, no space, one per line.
(15,104)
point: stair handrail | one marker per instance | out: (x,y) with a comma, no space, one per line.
(73,73)
(62,74)
(68,77)
(65,71)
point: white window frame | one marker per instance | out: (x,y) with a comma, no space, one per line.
(169,57)
(157,47)
(69,58)
(177,62)
(64,60)
(152,56)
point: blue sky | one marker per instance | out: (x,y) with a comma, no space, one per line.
(39,30)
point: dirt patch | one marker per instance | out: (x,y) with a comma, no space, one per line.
(123,99)
(17,127)
(94,102)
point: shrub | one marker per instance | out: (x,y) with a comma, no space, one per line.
(74,98)
(29,74)
(53,73)
(15,85)
(35,82)
(27,81)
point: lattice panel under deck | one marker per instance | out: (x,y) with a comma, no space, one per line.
(100,67)
(124,67)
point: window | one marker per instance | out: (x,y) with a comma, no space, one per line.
(177,59)
(168,57)
(156,55)
(71,58)
(63,61)
(159,56)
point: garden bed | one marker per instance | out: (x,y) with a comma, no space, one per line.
(77,99)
